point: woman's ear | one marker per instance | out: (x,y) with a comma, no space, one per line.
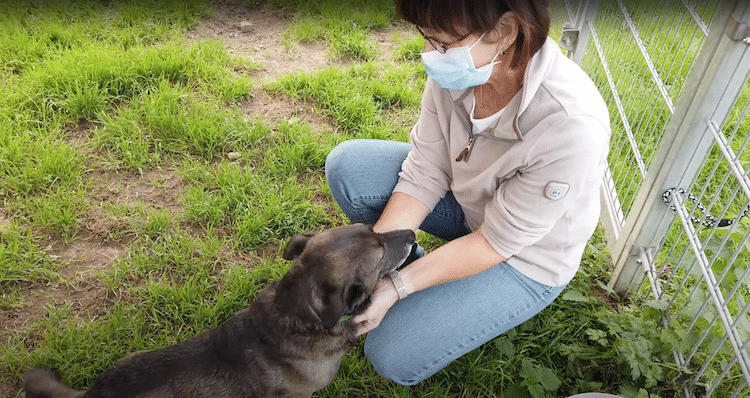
(506,31)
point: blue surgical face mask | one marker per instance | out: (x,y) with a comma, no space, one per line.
(455,68)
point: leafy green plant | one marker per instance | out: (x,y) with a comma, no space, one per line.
(538,380)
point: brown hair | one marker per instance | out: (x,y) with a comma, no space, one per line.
(479,16)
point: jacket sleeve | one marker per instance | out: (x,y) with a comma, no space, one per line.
(562,171)
(425,174)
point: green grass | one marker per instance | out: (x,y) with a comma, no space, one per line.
(98,97)
(360,98)
(21,260)
(344,25)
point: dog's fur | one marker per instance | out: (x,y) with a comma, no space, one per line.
(288,343)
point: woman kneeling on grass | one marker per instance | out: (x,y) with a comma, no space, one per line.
(504,163)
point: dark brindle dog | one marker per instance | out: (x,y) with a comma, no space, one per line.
(288,343)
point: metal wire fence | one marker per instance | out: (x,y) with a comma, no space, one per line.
(676,77)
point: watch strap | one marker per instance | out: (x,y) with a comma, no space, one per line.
(398,284)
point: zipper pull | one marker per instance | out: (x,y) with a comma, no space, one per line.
(464,155)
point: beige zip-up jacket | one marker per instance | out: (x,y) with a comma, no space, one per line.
(532,184)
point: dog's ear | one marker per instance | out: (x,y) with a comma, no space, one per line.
(354,295)
(336,304)
(296,245)
(331,313)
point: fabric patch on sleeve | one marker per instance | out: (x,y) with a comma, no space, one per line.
(556,190)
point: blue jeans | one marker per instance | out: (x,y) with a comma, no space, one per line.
(426,331)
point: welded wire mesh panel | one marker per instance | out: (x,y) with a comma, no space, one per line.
(695,258)
(639,55)
(571,7)
(702,269)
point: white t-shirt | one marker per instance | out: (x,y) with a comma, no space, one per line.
(488,123)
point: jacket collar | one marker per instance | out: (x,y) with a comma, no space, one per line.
(536,70)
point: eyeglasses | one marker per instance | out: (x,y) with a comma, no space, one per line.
(437,44)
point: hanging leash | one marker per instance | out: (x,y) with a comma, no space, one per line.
(710,221)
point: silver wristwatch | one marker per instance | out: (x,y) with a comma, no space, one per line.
(398,284)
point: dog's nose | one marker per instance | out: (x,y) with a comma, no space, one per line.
(401,237)
(398,245)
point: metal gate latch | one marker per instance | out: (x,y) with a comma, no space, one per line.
(569,37)
(740,32)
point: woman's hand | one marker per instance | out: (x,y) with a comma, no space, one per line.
(383,297)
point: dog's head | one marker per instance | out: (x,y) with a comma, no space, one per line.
(334,272)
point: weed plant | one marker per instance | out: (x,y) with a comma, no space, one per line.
(98,96)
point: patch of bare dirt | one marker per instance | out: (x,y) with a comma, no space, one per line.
(93,250)
(78,134)
(263,42)
(83,298)
(274,109)
(154,190)
(86,255)
(612,301)
(4,221)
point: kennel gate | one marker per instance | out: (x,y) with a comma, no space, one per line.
(675,75)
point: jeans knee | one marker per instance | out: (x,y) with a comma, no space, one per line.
(334,161)
(389,366)
(338,172)
(361,175)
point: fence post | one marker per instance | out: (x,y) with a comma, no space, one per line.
(716,80)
